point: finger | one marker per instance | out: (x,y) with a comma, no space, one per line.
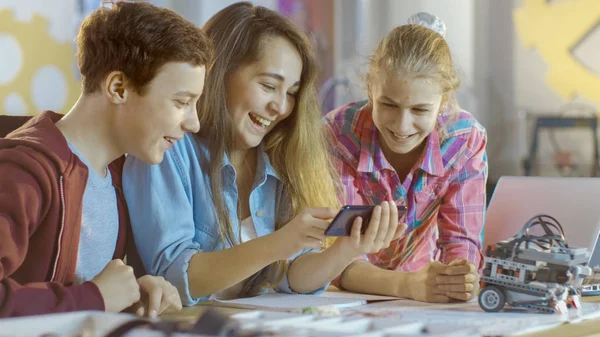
(390,235)
(393,225)
(437,298)
(384,222)
(169,301)
(400,231)
(458,262)
(459,296)
(178,304)
(459,288)
(315,233)
(393,214)
(461,269)
(371,232)
(154,299)
(323,213)
(140,311)
(172,299)
(355,233)
(468,278)
(319,224)
(116,262)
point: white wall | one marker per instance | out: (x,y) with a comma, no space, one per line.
(199,11)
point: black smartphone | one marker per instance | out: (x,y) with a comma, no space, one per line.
(342,223)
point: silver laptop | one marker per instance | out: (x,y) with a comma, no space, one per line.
(573,202)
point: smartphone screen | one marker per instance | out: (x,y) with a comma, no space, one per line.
(342,223)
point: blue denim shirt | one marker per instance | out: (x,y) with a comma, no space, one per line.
(173,215)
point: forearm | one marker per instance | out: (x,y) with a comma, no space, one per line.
(312,271)
(460,248)
(364,277)
(210,272)
(49,298)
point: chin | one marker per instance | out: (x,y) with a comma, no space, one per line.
(157,159)
(152,158)
(403,149)
(252,142)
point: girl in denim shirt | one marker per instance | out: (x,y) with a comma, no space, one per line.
(242,206)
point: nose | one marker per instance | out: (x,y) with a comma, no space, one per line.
(404,121)
(279,105)
(191,123)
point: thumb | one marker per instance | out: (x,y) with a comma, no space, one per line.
(323,213)
(438,267)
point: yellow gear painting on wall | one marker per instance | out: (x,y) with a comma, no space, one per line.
(555,29)
(39,55)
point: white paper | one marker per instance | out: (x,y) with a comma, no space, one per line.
(66,324)
(292,302)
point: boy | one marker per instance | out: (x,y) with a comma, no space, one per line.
(63,217)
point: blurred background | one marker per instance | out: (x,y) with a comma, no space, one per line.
(530,68)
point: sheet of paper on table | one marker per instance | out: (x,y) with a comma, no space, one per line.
(67,324)
(293,302)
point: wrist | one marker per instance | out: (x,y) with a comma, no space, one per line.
(403,280)
(343,248)
(340,254)
(275,245)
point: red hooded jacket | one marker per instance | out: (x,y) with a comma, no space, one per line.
(41,192)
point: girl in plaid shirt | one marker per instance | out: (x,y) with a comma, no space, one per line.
(410,144)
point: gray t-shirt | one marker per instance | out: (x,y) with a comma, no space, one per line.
(99,224)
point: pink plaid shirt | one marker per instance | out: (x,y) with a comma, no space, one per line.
(444,193)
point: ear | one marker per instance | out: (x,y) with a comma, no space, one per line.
(369,92)
(115,87)
(445,102)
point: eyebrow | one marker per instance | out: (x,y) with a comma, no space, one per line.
(277,77)
(418,104)
(186,93)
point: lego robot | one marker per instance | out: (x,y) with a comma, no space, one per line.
(535,269)
(591,285)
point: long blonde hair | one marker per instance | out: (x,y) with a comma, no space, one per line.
(297,146)
(418,51)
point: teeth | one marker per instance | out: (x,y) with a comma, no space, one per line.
(263,121)
(400,136)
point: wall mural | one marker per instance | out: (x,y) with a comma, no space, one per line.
(37,72)
(567,36)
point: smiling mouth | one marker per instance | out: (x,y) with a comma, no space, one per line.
(401,136)
(170,140)
(259,121)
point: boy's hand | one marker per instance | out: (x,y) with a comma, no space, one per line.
(118,286)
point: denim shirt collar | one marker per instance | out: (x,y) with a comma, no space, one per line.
(263,166)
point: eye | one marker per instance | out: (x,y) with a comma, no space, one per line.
(181,104)
(292,94)
(268,87)
(389,105)
(421,110)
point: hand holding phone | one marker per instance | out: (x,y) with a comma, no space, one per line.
(342,223)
